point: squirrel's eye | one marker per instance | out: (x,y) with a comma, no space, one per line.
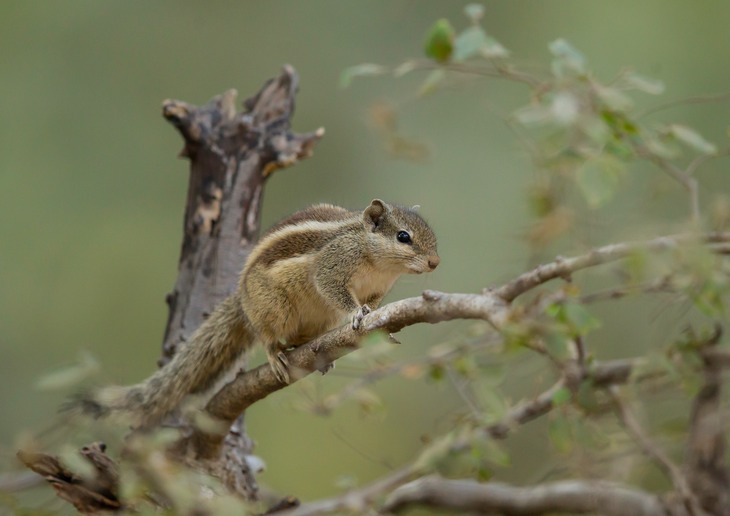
(403,237)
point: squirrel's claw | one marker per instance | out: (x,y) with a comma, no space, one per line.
(358,317)
(279,364)
(326,368)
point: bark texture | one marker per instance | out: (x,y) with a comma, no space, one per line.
(232,154)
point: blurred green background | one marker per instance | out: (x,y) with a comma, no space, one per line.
(91,192)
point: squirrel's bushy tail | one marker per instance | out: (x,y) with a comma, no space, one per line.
(212,350)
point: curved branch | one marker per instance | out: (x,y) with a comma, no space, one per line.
(564,267)
(571,496)
(432,307)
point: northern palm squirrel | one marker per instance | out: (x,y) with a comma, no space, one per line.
(301,279)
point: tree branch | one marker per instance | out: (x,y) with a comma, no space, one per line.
(432,307)
(232,154)
(571,496)
(89,494)
(705,464)
(564,267)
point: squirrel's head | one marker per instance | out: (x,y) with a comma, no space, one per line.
(400,237)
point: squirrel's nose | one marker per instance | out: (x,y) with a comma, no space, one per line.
(433,261)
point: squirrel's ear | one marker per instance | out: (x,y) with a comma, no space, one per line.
(375,212)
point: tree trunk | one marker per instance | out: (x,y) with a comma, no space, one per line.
(231,154)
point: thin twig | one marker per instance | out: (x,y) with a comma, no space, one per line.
(355,501)
(497,72)
(682,177)
(20,481)
(460,384)
(704,99)
(701,160)
(660,457)
(661,285)
(372,377)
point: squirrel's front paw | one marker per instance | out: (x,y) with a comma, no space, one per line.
(357,318)
(279,364)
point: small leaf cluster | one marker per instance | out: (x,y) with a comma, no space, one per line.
(584,135)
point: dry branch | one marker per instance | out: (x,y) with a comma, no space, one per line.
(570,496)
(88,495)
(704,463)
(231,155)
(432,307)
(564,267)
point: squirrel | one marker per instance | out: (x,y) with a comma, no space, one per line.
(300,280)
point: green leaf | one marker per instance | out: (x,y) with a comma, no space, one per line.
(494,453)
(404,68)
(580,319)
(533,115)
(77,463)
(368,401)
(692,139)
(469,43)
(557,345)
(562,396)
(619,123)
(613,98)
(475,42)
(431,83)
(567,58)
(360,70)
(475,12)
(493,49)
(346,482)
(560,434)
(708,299)
(465,366)
(598,180)
(494,403)
(434,456)
(69,376)
(440,41)
(586,396)
(636,266)
(564,108)
(437,372)
(619,149)
(554,310)
(643,83)
(660,148)
(493,374)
